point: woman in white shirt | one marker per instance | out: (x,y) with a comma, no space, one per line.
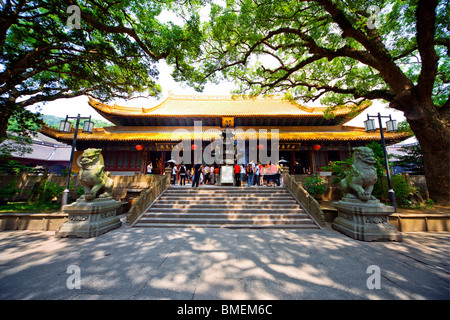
(149,168)
(174,174)
(242,174)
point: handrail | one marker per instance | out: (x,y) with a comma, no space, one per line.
(305,199)
(147,197)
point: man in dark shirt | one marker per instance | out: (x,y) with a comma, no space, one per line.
(297,168)
(182,174)
(197,171)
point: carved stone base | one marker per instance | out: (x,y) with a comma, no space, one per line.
(367,221)
(88,219)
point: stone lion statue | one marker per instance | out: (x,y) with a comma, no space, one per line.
(95,181)
(362,175)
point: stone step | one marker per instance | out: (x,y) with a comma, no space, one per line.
(225,221)
(229,226)
(225,205)
(229,191)
(176,215)
(221,210)
(223,201)
(228,197)
(224,188)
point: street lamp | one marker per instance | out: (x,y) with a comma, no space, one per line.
(66,126)
(391,126)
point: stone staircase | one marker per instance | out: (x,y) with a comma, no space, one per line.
(226,207)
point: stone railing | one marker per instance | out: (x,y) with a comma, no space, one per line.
(304,198)
(147,197)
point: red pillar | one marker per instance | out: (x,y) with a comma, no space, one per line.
(163,162)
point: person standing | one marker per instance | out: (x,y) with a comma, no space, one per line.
(273,171)
(261,174)
(253,172)
(212,174)
(174,174)
(297,168)
(189,175)
(178,173)
(281,175)
(237,175)
(192,174)
(242,174)
(256,179)
(278,174)
(149,168)
(197,172)
(216,173)
(249,175)
(267,174)
(206,174)
(182,174)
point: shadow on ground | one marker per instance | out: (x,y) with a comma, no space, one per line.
(133,263)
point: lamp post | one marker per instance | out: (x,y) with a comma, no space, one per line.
(391,126)
(66,126)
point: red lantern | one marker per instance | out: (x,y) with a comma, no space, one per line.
(316,147)
(194,147)
(139,147)
(260,147)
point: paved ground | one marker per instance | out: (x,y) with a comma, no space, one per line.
(222,264)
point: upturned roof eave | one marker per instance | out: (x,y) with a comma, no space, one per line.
(112,112)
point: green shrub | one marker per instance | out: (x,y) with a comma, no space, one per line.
(402,189)
(338,169)
(400,186)
(14,167)
(80,191)
(315,186)
(50,190)
(45,191)
(9,191)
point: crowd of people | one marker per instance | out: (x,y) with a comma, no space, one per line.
(244,175)
(258,174)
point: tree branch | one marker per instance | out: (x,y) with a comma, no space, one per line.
(92,21)
(62,94)
(392,74)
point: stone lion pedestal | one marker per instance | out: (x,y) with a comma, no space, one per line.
(95,212)
(88,219)
(360,215)
(366,221)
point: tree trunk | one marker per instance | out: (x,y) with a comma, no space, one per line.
(5,114)
(433,135)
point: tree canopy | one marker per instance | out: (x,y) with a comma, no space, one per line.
(336,51)
(52,49)
(339,53)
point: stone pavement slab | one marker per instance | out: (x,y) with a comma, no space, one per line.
(132,263)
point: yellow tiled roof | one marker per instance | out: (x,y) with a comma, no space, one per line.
(165,134)
(217,106)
